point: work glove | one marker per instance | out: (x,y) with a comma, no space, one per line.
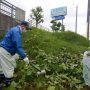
(26,60)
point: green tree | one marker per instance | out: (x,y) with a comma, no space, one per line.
(37,15)
(55,25)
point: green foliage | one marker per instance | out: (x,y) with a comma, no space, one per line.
(73,38)
(52,42)
(60,54)
(55,25)
(37,15)
(64,71)
(1,37)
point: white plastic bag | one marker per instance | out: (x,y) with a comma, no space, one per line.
(86,67)
(7,63)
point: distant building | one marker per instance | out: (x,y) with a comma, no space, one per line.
(11,10)
(10,15)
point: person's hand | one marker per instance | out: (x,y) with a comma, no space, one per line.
(26,60)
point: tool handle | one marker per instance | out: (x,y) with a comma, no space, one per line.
(35,67)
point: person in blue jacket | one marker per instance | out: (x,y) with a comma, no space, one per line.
(9,46)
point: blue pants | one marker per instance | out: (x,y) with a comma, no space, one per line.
(6,81)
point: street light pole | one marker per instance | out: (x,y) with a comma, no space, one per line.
(76,18)
(88,18)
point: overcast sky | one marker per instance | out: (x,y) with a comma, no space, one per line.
(47,5)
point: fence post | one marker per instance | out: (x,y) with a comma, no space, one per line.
(12,11)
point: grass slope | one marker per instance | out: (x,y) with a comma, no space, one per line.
(64,65)
(53,42)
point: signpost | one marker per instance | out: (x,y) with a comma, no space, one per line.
(59,13)
(59,17)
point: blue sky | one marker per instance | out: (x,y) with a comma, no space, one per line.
(47,5)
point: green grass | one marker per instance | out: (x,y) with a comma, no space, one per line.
(61,45)
(53,42)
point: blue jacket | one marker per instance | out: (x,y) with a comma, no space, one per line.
(12,42)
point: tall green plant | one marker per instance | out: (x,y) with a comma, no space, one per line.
(37,15)
(55,25)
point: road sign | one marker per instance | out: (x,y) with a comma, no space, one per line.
(58,17)
(59,11)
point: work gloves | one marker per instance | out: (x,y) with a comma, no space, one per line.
(16,56)
(26,60)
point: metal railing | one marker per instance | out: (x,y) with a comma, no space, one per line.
(7,8)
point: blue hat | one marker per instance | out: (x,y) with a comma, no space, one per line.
(25,23)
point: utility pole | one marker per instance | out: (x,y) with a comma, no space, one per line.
(76,18)
(0,11)
(62,25)
(0,5)
(88,18)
